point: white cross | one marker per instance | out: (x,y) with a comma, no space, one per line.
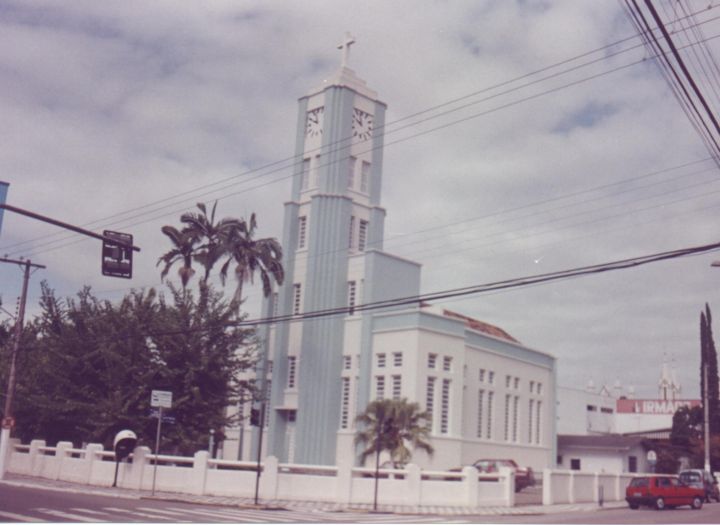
(345,47)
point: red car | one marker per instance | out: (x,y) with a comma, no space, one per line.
(662,492)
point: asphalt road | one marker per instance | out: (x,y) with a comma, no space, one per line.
(23,504)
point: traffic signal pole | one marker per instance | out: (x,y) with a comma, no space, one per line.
(8,420)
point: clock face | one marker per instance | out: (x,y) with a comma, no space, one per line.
(314,122)
(362,124)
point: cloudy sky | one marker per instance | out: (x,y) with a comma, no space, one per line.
(533,136)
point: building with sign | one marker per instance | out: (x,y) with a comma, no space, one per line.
(488,394)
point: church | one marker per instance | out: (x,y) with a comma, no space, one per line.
(489,395)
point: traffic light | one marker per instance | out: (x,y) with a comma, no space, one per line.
(117,259)
(255,417)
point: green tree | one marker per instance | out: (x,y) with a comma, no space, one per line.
(251,256)
(183,251)
(686,426)
(708,358)
(395,426)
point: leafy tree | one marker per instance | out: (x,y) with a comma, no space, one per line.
(394,426)
(87,366)
(183,250)
(687,426)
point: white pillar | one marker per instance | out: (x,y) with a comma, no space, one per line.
(547,492)
(4,451)
(470,485)
(508,475)
(36,457)
(269,479)
(91,452)
(413,478)
(199,472)
(62,450)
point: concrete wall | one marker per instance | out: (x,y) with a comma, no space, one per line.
(201,475)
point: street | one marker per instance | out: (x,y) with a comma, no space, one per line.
(24,504)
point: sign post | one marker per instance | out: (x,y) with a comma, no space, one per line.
(159,399)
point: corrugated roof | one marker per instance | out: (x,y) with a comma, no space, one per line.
(599,441)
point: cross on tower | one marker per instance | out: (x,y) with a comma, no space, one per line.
(345,48)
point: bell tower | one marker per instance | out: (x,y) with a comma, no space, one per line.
(333,216)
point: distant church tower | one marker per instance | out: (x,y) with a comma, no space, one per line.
(668,387)
(333,216)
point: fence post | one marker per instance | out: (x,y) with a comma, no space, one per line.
(413,479)
(508,475)
(12,443)
(571,487)
(136,470)
(471,485)
(36,458)
(199,472)
(344,482)
(91,452)
(61,452)
(269,481)
(547,488)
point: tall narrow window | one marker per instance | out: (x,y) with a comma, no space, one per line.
(362,235)
(490,414)
(481,375)
(347,362)
(491,377)
(352,161)
(315,175)
(430,399)
(532,386)
(481,400)
(507,381)
(274,304)
(506,434)
(365,177)
(397,358)
(531,409)
(539,388)
(352,289)
(445,407)
(447,364)
(302,231)
(292,367)
(345,403)
(396,387)
(432,358)
(296,298)
(380,387)
(351,235)
(305,177)
(516,384)
(516,401)
(538,414)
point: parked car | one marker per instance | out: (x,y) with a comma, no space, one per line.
(663,491)
(702,479)
(524,477)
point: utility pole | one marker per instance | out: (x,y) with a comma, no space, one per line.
(8,420)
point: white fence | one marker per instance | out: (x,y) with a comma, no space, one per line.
(343,485)
(202,475)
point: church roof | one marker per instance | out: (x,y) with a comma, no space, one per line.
(481,326)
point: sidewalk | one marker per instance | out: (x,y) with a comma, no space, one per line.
(238,502)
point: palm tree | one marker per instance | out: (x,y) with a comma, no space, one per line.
(182,250)
(392,425)
(252,256)
(212,235)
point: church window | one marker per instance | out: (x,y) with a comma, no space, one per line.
(397,358)
(491,377)
(445,407)
(506,433)
(530,420)
(481,400)
(516,401)
(396,387)
(365,177)
(352,289)
(507,381)
(347,362)
(516,385)
(302,231)
(481,375)
(305,177)
(538,413)
(539,388)
(432,359)
(269,367)
(490,414)
(430,398)
(380,387)
(345,403)
(447,364)
(274,304)
(296,298)
(362,235)
(351,236)
(292,367)
(381,360)
(532,386)
(352,162)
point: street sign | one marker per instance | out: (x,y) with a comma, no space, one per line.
(651,456)
(161,398)
(155,413)
(116,259)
